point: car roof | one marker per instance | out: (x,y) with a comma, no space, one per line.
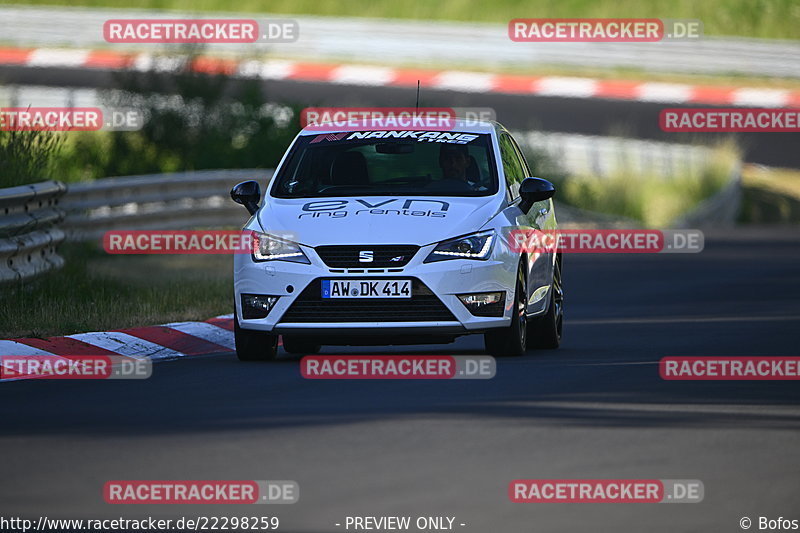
(460,125)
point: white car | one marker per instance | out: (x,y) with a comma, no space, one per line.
(380,237)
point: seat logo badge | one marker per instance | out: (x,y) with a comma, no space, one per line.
(365,256)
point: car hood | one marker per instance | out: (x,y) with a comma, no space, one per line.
(376,220)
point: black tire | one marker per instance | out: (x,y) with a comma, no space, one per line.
(511,341)
(254,345)
(298,346)
(545,332)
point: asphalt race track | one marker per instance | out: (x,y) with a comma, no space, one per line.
(594,409)
(588,116)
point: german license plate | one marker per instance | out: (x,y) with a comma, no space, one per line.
(366,288)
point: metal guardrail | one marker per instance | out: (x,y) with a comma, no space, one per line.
(720,210)
(29,232)
(605,157)
(36,218)
(160,201)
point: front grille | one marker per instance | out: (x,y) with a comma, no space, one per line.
(423,306)
(383,256)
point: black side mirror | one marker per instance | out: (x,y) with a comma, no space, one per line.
(247,193)
(534,190)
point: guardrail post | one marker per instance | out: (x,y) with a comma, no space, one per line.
(29,232)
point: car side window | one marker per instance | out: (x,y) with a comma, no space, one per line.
(525,167)
(512,166)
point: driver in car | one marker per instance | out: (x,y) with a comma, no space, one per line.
(457,164)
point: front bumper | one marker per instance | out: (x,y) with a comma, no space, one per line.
(293,282)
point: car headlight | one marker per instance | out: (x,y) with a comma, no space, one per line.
(474,246)
(271,248)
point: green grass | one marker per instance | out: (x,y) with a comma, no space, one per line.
(770,195)
(27,156)
(777,19)
(650,200)
(84,156)
(781,180)
(99,292)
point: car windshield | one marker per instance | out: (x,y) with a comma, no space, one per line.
(387,163)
